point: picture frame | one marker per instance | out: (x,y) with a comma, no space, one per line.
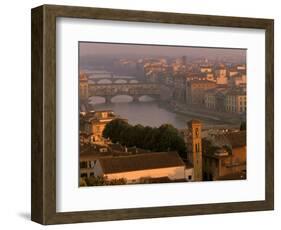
(44,92)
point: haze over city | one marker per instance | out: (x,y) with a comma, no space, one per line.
(122,50)
(161,114)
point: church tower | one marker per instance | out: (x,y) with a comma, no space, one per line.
(194,148)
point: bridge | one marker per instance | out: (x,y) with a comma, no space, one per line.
(113,80)
(88,89)
(136,90)
(102,75)
(108,91)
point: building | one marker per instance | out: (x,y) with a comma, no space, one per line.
(220,74)
(237,80)
(94,123)
(206,69)
(143,167)
(210,99)
(215,99)
(84,138)
(236,101)
(193,141)
(195,90)
(241,67)
(232,72)
(228,160)
(179,87)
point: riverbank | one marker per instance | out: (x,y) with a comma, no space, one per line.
(232,120)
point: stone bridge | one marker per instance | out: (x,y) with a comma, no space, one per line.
(113,80)
(108,91)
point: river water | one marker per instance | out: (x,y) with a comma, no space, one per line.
(147,111)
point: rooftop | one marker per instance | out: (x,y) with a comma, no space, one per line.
(138,162)
(235,139)
(195,81)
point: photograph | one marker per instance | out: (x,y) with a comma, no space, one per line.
(161,114)
(144,113)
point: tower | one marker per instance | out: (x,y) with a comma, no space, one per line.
(83,89)
(194,147)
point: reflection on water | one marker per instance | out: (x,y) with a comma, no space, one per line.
(146,112)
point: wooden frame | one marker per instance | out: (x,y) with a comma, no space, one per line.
(43,208)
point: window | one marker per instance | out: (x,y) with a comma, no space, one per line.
(197,148)
(197,132)
(92,164)
(84,175)
(83,164)
(189,177)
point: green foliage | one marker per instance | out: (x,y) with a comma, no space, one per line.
(99,181)
(164,138)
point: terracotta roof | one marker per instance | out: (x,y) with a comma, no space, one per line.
(235,139)
(202,81)
(141,162)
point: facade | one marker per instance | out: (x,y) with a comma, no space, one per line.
(95,122)
(232,72)
(200,76)
(87,162)
(237,80)
(210,99)
(195,90)
(206,69)
(236,101)
(143,167)
(221,77)
(229,159)
(215,99)
(179,87)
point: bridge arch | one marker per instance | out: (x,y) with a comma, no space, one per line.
(104,81)
(133,81)
(146,98)
(122,98)
(120,81)
(97,100)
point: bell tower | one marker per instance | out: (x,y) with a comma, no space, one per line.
(194,148)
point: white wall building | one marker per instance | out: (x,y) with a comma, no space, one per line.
(135,168)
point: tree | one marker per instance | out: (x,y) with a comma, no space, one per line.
(114,128)
(165,138)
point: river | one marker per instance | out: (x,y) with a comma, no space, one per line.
(147,111)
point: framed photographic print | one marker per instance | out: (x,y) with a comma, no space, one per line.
(148,114)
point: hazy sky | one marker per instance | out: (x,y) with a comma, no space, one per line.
(93,49)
